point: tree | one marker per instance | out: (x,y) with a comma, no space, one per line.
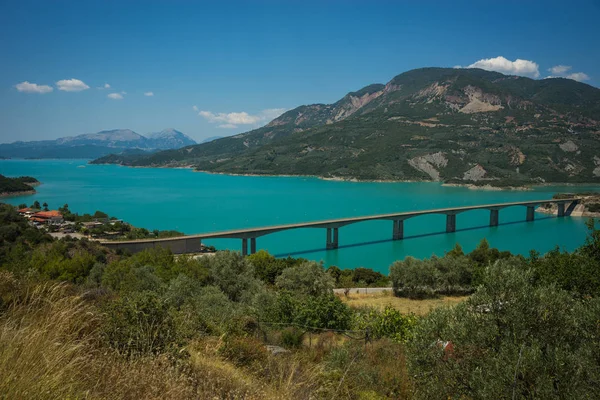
(456,251)
(36,205)
(308,278)
(233,274)
(22,205)
(511,339)
(45,205)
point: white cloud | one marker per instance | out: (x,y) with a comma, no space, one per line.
(227,126)
(27,87)
(115,96)
(505,66)
(232,120)
(578,76)
(106,86)
(559,69)
(71,85)
(149,94)
(195,108)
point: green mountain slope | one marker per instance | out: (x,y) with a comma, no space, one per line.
(456,125)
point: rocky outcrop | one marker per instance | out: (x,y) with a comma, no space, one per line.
(421,164)
(568,146)
(475,174)
(480,101)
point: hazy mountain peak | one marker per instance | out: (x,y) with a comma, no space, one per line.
(170,138)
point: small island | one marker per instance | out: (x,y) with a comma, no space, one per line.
(20,186)
(589,205)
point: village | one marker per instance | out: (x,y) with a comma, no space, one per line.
(59,223)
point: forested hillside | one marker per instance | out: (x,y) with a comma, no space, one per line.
(441,124)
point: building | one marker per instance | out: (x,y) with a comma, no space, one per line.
(27,212)
(47,217)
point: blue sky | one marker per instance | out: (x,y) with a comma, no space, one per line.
(221,68)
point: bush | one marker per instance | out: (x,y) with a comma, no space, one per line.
(234,275)
(449,275)
(326,311)
(138,323)
(267,268)
(389,323)
(510,339)
(308,278)
(292,337)
(243,351)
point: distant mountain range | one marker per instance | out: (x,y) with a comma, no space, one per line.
(94,145)
(441,124)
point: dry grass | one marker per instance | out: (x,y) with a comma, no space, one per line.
(50,349)
(381,300)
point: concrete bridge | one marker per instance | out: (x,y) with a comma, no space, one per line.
(192,243)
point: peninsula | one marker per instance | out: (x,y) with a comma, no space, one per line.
(20,186)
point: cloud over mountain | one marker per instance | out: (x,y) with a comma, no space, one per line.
(505,66)
(560,71)
(233,119)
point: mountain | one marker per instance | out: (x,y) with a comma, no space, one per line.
(210,139)
(94,145)
(440,124)
(169,139)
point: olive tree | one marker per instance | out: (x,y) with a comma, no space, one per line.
(511,339)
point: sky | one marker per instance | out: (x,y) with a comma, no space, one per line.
(221,68)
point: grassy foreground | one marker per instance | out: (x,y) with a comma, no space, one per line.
(405,305)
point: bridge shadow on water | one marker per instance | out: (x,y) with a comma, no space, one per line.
(419,236)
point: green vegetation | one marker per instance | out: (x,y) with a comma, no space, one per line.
(18,185)
(80,321)
(522,131)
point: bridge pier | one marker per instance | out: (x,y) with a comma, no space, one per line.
(450,223)
(530,213)
(494,217)
(332,238)
(398,229)
(252,245)
(244,247)
(561,209)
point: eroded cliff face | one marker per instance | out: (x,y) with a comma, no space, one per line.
(352,105)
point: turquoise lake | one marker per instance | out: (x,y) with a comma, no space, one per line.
(194,202)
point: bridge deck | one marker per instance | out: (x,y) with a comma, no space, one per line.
(248,233)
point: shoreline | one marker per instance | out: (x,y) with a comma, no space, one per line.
(470,186)
(17,194)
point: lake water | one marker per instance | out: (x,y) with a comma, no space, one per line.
(194,202)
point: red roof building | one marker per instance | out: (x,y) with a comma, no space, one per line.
(51,217)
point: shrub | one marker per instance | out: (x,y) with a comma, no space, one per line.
(243,351)
(138,323)
(308,278)
(510,339)
(450,275)
(267,268)
(389,323)
(234,275)
(292,337)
